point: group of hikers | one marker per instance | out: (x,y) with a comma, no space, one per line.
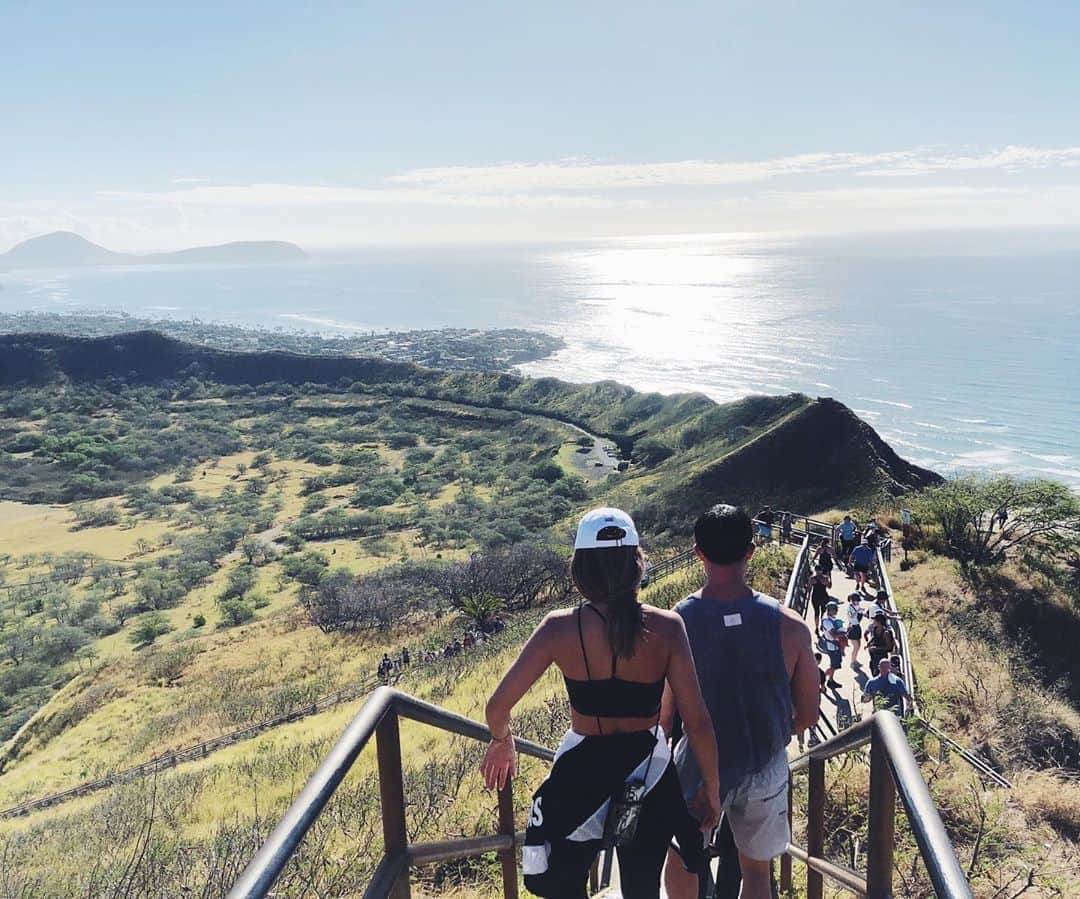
(390,665)
(676,717)
(864,623)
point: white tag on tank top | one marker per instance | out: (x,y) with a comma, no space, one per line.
(732,620)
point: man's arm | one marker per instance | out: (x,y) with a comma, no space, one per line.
(802,671)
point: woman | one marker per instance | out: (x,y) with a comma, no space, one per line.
(615,655)
(854,626)
(819,594)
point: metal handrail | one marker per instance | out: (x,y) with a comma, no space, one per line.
(379,715)
(893,770)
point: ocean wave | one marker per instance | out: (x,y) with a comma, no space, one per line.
(897,404)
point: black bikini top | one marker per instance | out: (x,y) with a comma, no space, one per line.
(613,697)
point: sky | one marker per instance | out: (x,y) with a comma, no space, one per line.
(150,126)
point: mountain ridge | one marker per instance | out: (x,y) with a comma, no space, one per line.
(794,449)
(66,249)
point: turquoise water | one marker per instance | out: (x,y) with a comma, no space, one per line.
(960,359)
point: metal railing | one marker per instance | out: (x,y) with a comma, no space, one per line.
(379,717)
(893,770)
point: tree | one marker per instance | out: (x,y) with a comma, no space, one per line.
(238,582)
(254,550)
(148,628)
(235,611)
(983,519)
(483,610)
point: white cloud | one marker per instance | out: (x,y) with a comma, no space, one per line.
(572,174)
(189,180)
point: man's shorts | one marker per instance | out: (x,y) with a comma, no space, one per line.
(862,569)
(757,809)
(836,658)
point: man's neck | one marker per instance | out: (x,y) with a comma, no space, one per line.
(727,587)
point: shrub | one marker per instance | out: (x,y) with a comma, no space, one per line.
(234,612)
(148,628)
(198,621)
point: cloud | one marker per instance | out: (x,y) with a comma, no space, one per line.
(189,180)
(573,175)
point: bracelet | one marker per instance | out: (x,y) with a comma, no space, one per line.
(509,736)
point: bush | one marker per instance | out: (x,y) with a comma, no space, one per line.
(198,621)
(148,628)
(234,612)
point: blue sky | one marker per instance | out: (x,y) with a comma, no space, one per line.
(147,125)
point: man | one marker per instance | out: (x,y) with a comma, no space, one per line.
(862,557)
(887,690)
(785,527)
(756,667)
(766,518)
(848,530)
(905,522)
(834,640)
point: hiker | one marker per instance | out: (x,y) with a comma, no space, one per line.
(821,673)
(887,690)
(385,667)
(819,594)
(880,604)
(854,626)
(880,641)
(405,657)
(905,522)
(833,641)
(612,782)
(766,517)
(849,533)
(755,663)
(862,557)
(785,527)
(823,559)
(872,535)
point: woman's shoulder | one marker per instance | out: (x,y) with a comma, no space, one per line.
(661,620)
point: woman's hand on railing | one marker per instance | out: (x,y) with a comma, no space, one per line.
(500,762)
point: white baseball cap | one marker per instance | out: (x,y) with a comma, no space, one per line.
(602,528)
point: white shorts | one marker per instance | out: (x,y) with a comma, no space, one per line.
(757,810)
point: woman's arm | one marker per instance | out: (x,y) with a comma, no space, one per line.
(697,724)
(500,761)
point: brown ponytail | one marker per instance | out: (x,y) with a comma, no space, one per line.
(612,575)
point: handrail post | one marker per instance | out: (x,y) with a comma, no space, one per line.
(508,857)
(786,885)
(392,796)
(815,826)
(879,863)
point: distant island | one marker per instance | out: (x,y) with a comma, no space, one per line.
(65,249)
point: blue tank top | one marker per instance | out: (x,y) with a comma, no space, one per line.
(740,664)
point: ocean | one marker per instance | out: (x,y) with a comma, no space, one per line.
(961,353)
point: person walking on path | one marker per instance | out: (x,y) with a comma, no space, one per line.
(755,662)
(854,626)
(849,533)
(766,518)
(785,527)
(823,559)
(887,690)
(819,594)
(880,642)
(862,557)
(833,641)
(612,781)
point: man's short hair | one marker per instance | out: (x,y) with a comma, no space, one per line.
(724,534)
